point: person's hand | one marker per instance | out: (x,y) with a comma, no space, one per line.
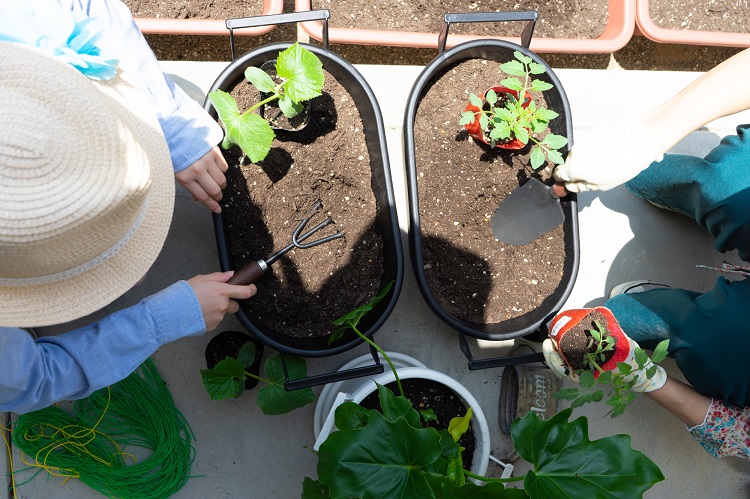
(217,298)
(642,381)
(205,179)
(607,156)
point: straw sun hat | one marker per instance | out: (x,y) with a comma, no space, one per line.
(86,189)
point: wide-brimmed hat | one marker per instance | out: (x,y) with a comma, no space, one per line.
(86,189)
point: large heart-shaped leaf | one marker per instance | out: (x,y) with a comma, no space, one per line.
(274,398)
(383,459)
(225,380)
(569,465)
(302,71)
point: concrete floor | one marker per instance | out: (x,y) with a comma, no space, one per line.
(240,453)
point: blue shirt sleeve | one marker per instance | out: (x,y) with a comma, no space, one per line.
(188,128)
(38,373)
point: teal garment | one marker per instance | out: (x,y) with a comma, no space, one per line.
(709,332)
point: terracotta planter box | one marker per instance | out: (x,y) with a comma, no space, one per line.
(153,26)
(650,30)
(619,30)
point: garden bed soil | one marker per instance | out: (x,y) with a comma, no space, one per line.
(194,9)
(428,394)
(575,342)
(460,183)
(263,203)
(228,344)
(557,19)
(724,16)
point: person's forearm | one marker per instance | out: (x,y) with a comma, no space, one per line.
(682,401)
(719,92)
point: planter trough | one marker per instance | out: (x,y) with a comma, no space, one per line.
(386,221)
(618,32)
(532,322)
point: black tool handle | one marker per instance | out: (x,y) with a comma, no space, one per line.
(249,273)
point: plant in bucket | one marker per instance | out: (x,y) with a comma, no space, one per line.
(500,118)
(597,352)
(391,450)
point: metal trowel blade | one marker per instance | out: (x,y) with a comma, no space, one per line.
(528,212)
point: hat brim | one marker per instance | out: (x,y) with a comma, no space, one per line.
(71,298)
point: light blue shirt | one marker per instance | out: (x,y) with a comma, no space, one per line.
(37,373)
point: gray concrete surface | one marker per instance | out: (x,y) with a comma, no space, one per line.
(240,453)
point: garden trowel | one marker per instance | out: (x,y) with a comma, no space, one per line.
(529,211)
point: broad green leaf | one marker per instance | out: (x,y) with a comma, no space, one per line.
(455,472)
(522,57)
(651,371)
(302,71)
(352,318)
(521,133)
(660,352)
(246,356)
(274,398)
(313,489)
(394,407)
(505,114)
(536,69)
(466,118)
(641,357)
(249,131)
(536,157)
(547,114)
(555,157)
(289,107)
(460,425)
(225,380)
(225,105)
(383,459)
(260,79)
(450,451)
(427,415)
(568,464)
(351,416)
(513,68)
(513,84)
(540,85)
(555,141)
(443,489)
(476,101)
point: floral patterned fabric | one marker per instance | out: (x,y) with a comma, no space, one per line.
(725,431)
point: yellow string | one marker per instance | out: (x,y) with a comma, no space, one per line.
(10,460)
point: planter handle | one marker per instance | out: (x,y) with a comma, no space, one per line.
(490,17)
(333,377)
(288,18)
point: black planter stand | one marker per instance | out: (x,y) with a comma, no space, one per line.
(532,324)
(386,219)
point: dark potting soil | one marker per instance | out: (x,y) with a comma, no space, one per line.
(461,182)
(195,9)
(575,343)
(228,344)
(428,394)
(726,16)
(263,204)
(557,18)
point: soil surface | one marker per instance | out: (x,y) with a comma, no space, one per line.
(557,18)
(428,394)
(195,9)
(727,16)
(228,344)
(460,184)
(576,342)
(326,162)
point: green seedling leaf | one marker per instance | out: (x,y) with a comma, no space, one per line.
(249,131)
(225,380)
(605,377)
(302,72)
(536,69)
(540,86)
(467,117)
(537,157)
(513,84)
(490,97)
(555,141)
(651,371)
(555,157)
(513,68)
(246,356)
(586,380)
(641,357)
(484,121)
(274,398)
(352,318)
(460,425)
(522,57)
(624,368)
(568,464)
(427,415)
(289,107)
(313,489)
(476,101)
(383,459)
(260,79)
(660,352)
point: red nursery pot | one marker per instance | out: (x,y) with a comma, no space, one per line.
(476,131)
(565,321)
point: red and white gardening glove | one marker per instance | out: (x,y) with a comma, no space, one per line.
(625,349)
(607,156)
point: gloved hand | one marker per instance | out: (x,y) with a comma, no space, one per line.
(607,156)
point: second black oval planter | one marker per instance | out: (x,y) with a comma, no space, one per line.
(386,219)
(494,51)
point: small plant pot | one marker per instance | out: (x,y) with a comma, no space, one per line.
(568,332)
(228,344)
(272,113)
(475,130)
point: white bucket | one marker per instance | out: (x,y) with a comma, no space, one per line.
(359,388)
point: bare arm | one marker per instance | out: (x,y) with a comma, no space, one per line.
(682,401)
(719,92)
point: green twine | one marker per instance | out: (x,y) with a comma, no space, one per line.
(137,412)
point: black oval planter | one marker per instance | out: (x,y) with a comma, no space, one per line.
(496,51)
(386,219)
